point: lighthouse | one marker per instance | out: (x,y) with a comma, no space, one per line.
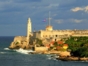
(29,30)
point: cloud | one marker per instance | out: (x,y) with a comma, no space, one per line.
(81,21)
(85,9)
(70,21)
(52,5)
(76,20)
(59,21)
(3,4)
(76,9)
(26,1)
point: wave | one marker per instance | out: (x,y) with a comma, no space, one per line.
(2,52)
(24,51)
(6,49)
(52,57)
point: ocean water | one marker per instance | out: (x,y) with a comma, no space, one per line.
(13,58)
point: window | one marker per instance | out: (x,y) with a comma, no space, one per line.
(56,35)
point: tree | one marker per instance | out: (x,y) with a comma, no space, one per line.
(78,46)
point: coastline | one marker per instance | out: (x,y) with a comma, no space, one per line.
(59,57)
(73,58)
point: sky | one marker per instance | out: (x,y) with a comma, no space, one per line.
(64,14)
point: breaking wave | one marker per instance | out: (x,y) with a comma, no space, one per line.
(24,51)
(6,49)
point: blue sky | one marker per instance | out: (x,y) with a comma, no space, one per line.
(65,14)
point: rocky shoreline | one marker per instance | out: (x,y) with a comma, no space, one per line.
(73,58)
(21,42)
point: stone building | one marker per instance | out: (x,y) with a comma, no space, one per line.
(49,33)
(55,35)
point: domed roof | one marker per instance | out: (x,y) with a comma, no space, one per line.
(49,27)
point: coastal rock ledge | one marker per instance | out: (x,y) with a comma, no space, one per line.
(73,58)
(19,42)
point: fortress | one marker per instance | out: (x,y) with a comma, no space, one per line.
(47,35)
(50,33)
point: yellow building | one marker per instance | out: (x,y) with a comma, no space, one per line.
(49,33)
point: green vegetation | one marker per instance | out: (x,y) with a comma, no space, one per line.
(39,42)
(53,47)
(78,46)
(17,43)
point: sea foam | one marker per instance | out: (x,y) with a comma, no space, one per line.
(24,51)
(6,49)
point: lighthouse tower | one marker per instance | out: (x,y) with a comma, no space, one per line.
(29,30)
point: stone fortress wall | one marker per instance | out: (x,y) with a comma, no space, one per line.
(58,34)
(19,42)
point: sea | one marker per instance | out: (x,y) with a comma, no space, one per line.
(13,58)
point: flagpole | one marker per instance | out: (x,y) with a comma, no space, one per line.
(49,18)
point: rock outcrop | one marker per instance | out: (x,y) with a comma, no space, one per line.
(65,54)
(73,58)
(19,42)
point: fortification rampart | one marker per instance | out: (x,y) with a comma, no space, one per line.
(19,42)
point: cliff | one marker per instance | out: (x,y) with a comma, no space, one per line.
(19,42)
